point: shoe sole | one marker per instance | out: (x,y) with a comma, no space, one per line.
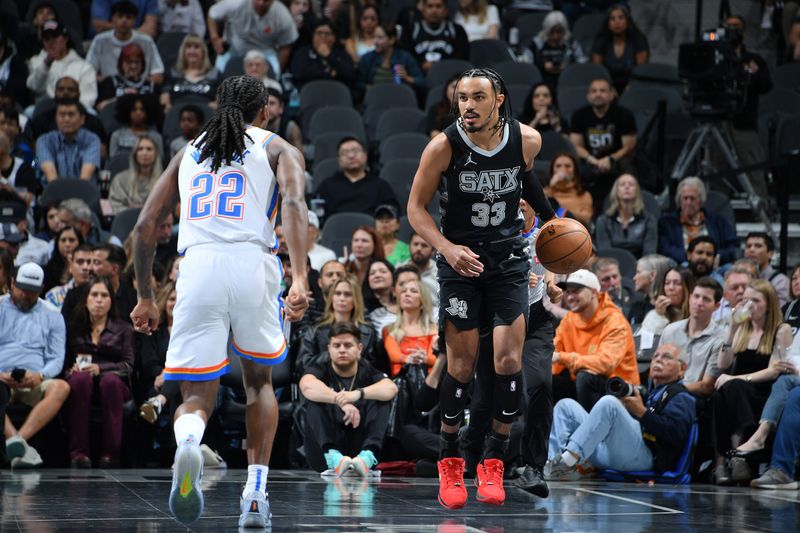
(457,506)
(536,490)
(255,521)
(15,449)
(148,413)
(781,486)
(186,498)
(490,500)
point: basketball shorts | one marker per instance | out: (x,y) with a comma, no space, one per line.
(225,289)
(495,298)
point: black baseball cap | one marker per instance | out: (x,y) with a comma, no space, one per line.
(386,208)
(125,7)
(12,212)
(54,28)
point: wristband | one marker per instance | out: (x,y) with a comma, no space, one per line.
(361,390)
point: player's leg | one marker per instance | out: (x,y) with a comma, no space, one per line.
(481,405)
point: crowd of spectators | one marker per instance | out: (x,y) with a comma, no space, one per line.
(109,104)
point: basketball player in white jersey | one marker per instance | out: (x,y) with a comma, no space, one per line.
(228,180)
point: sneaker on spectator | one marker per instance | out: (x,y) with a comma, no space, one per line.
(557,470)
(16,446)
(255,512)
(186,498)
(31,459)
(363,462)
(489,481)
(211,459)
(150,409)
(452,492)
(774,479)
(338,462)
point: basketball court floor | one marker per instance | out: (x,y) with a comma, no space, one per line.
(136,501)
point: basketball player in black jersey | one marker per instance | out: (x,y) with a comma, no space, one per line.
(481,164)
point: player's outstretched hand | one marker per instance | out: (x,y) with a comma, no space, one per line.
(296,301)
(463,260)
(145,316)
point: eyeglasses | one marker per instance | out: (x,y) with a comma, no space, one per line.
(350,151)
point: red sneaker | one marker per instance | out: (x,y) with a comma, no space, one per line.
(452,492)
(489,480)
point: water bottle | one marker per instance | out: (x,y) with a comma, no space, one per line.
(397,79)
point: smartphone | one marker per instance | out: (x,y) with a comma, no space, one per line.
(18,374)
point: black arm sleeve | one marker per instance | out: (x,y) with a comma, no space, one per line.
(533,193)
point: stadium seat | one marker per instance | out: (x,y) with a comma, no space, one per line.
(121,161)
(324,169)
(399,173)
(518,93)
(406,231)
(441,71)
(514,73)
(581,75)
(108,118)
(586,28)
(321,93)
(488,52)
(787,76)
(529,25)
(337,232)
(627,261)
(124,222)
(570,99)
(402,146)
(719,203)
(554,143)
(172,127)
(779,100)
(645,99)
(62,189)
(434,96)
(389,95)
(395,121)
(169,44)
(43,106)
(336,119)
(661,73)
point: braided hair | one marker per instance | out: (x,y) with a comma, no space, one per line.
(222,138)
(499,87)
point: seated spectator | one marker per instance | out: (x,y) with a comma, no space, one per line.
(422,258)
(604,136)
(317,254)
(792,52)
(628,434)
(760,246)
(15,70)
(412,339)
(673,302)
(541,111)
(479,18)
(626,223)
(255,65)
(45,121)
(29,36)
(620,46)
(554,49)
(106,46)
(74,212)
(435,37)
(747,375)
(791,311)
(387,63)
(649,276)
(32,338)
(129,79)
(343,303)
(362,40)
(780,475)
(10,125)
(49,224)
(365,247)
(736,281)
(10,239)
(70,152)
(138,116)
(324,59)
(144,13)
(443,112)
(329,273)
(101,359)
(56,271)
(184,16)
(333,405)
(699,337)
(6,271)
(192,75)
(387,224)
(131,187)
(305,19)
(566,187)
(353,188)
(773,409)
(632,303)
(280,122)
(676,229)
(31,249)
(109,262)
(153,354)
(244,31)
(80,272)
(56,60)
(701,254)
(191,122)
(20,183)
(381,305)
(593,342)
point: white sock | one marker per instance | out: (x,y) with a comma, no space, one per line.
(189,425)
(568,459)
(256,479)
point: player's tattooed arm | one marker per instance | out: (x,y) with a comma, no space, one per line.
(160,203)
(532,191)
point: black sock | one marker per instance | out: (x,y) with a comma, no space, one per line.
(496,445)
(449,445)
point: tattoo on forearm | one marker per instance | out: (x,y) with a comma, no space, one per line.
(144,251)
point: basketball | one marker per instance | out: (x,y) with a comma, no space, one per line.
(563,245)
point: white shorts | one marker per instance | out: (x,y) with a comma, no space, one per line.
(225,288)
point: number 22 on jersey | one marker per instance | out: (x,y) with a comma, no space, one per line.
(213,195)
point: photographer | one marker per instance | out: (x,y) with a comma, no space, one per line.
(628,432)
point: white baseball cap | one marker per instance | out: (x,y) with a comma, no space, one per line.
(582,278)
(313,219)
(30,277)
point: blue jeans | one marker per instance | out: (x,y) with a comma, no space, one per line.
(608,436)
(777,398)
(787,438)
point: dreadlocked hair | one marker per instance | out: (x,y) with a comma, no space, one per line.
(222,138)
(499,86)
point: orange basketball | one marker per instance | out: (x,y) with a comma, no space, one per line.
(563,245)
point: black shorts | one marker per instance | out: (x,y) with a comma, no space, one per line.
(497,297)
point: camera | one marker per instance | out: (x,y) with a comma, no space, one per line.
(620,388)
(714,77)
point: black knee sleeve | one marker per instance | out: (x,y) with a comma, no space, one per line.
(452,399)
(507,397)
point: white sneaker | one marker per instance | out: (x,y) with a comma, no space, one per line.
(15,447)
(212,459)
(255,511)
(186,498)
(31,459)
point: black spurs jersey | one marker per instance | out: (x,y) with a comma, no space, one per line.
(480,190)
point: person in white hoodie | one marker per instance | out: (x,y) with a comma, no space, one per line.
(56,60)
